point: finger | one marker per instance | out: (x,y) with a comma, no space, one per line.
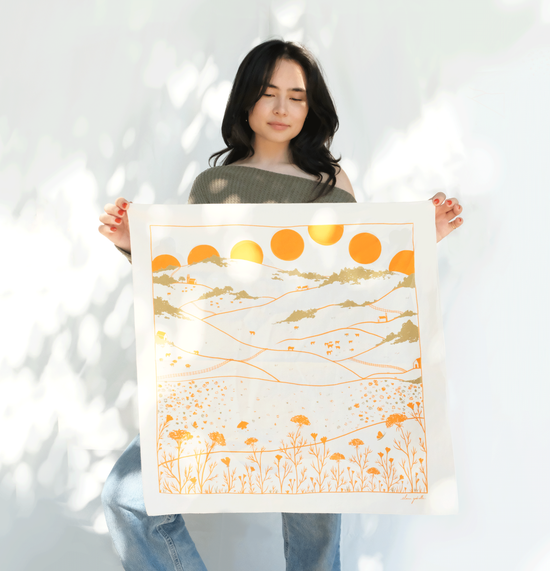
(110,220)
(456,223)
(122,203)
(107,231)
(438,198)
(450,203)
(453,212)
(113,210)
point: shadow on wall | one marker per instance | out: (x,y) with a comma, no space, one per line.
(131,101)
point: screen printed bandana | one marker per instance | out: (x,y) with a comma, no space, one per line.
(290,358)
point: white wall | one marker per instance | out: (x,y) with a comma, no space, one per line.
(100,99)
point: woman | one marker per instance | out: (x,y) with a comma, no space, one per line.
(278,126)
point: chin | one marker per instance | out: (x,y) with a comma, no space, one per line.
(281,137)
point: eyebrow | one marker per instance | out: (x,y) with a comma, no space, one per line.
(291,89)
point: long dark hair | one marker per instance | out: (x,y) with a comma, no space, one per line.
(310,148)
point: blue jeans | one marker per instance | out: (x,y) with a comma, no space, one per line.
(162,543)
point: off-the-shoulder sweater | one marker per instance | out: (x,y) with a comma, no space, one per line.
(236,184)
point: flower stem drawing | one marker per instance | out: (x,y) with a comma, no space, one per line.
(321,453)
(293,451)
(361,460)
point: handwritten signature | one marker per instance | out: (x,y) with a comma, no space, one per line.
(413,499)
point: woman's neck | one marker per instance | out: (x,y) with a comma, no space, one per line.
(268,155)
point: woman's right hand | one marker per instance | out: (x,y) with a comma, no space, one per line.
(114,223)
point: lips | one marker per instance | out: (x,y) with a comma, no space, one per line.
(278,124)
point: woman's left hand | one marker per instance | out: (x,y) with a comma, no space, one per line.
(446,212)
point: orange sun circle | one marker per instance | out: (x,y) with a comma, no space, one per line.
(247,250)
(200,253)
(365,248)
(164,261)
(287,245)
(403,262)
(326,234)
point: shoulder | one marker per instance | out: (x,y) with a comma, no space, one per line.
(210,178)
(343,182)
(208,173)
(202,187)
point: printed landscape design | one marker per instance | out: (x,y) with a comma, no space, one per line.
(288,360)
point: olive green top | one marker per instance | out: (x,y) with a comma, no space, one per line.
(234,184)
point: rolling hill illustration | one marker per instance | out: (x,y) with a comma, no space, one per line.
(278,381)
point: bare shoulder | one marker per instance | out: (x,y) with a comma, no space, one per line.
(343,182)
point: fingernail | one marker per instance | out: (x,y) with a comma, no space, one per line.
(121,212)
(436,201)
(124,204)
(449,202)
(113,229)
(118,220)
(460,220)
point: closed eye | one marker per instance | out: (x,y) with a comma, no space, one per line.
(271,95)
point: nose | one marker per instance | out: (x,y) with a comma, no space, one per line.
(280,106)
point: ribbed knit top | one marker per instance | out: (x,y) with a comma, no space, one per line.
(235,184)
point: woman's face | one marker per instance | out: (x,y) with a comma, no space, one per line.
(279,115)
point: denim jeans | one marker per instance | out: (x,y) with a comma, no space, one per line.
(162,543)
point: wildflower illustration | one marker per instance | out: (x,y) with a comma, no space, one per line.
(389,472)
(422,468)
(410,460)
(262,475)
(404,445)
(205,468)
(282,471)
(162,428)
(337,474)
(373,472)
(361,460)
(321,453)
(417,414)
(293,451)
(168,462)
(229,476)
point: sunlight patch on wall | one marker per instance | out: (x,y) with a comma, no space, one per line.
(190,136)
(116,183)
(128,138)
(427,157)
(189,175)
(215,101)
(181,83)
(146,194)
(539,561)
(367,563)
(288,13)
(119,316)
(208,75)
(512,4)
(80,127)
(162,63)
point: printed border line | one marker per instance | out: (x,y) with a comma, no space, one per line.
(268,226)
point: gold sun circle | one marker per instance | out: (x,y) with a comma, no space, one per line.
(365,248)
(326,234)
(247,250)
(200,253)
(164,261)
(287,245)
(403,262)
